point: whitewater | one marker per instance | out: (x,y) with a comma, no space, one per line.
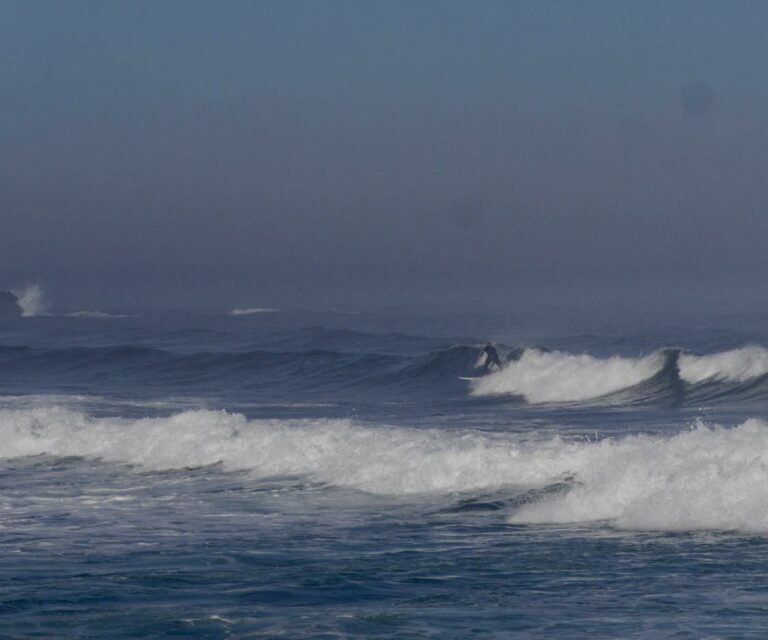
(321,474)
(707,477)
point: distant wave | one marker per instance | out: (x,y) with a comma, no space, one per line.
(97,314)
(708,477)
(254,310)
(31,300)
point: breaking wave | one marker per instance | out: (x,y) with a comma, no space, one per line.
(31,300)
(553,376)
(352,365)
(98,314)
(707,477)
(737,365)
(252,311)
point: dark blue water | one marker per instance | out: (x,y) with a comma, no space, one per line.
(306,474)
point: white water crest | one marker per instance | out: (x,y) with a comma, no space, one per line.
(383,460)
(97,314)
(31,300)
(554,376)
(707,477)
(737,365)
(252,311)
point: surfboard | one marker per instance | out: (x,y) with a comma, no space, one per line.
(469,378)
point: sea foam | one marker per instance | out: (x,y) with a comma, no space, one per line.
(382,460)
(737,365)
(706,477)
(554,376)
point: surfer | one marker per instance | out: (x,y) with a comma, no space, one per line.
(491,357)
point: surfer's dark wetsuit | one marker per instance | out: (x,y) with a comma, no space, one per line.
(491,357)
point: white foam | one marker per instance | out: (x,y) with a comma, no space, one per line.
(31,300)
(377,460)
(706,478)
(254,310)
(554,376)
(738,365)
(702,478)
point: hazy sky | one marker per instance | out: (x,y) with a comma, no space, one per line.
(351,153)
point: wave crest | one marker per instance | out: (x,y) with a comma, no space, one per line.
(252,311)
(737,365)
(554,376)
(31,300)
(97,314)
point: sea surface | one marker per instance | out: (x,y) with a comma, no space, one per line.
(305,474)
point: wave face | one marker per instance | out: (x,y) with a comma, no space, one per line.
(355,365)
(553,376)
(313,372)
(703,478)
(277,356)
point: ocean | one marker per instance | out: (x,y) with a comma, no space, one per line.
(328,474)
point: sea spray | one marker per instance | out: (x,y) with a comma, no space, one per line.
(31,300)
